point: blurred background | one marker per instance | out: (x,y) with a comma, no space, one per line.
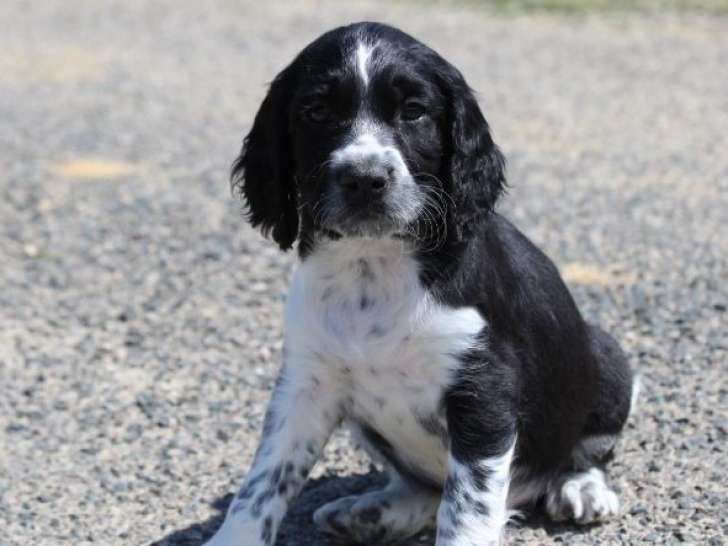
(140,318)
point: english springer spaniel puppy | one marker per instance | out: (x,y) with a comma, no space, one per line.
(417,315)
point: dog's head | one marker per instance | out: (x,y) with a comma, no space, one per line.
(369,132)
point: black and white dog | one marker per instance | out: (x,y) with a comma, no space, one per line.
(417,315)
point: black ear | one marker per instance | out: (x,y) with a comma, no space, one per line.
(263,172)
(477,166)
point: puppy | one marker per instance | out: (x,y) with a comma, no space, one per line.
(417,315)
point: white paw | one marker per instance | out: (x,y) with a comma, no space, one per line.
(359,518)
(584,497)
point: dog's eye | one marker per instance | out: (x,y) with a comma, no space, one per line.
(412,110)
(318,112)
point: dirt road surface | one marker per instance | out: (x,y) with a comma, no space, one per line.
(140,318)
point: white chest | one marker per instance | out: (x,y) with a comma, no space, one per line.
(358,316)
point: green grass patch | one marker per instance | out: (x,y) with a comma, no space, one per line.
(590,6)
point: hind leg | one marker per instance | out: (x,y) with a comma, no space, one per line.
(617,387)
(582,493)
(579,491)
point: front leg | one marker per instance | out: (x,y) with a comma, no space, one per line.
(481,422)
(302,413)
(473,509)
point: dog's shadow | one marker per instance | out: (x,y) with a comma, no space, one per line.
(298,528)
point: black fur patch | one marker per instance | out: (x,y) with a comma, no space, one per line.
(371,515)
(433,426)
(266,534)
(261,500)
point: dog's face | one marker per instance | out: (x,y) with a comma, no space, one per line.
(367,126)
(369,132)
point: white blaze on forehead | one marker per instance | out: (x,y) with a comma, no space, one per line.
(363,52)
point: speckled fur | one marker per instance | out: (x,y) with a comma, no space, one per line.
(417,314)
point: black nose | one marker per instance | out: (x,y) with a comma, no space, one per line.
(354,183)
(363,186)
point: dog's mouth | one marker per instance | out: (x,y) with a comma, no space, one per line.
(390,216)
(365,224)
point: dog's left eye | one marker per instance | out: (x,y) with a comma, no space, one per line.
(412,110)
(318,112)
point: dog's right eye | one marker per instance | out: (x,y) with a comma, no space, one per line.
(318,112)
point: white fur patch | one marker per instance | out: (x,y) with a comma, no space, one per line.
(584,497)
(482,514)
(367,149)
(363,52)
(364,149)
(358,315)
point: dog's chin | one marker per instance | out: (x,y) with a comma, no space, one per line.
(366,225)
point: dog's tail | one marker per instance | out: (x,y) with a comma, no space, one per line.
(636,390)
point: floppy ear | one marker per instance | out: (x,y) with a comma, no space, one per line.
(263,172)
(477,166)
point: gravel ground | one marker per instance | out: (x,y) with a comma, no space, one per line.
(140,318)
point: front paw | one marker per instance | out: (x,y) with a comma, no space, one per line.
(354,519)
(333,517)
